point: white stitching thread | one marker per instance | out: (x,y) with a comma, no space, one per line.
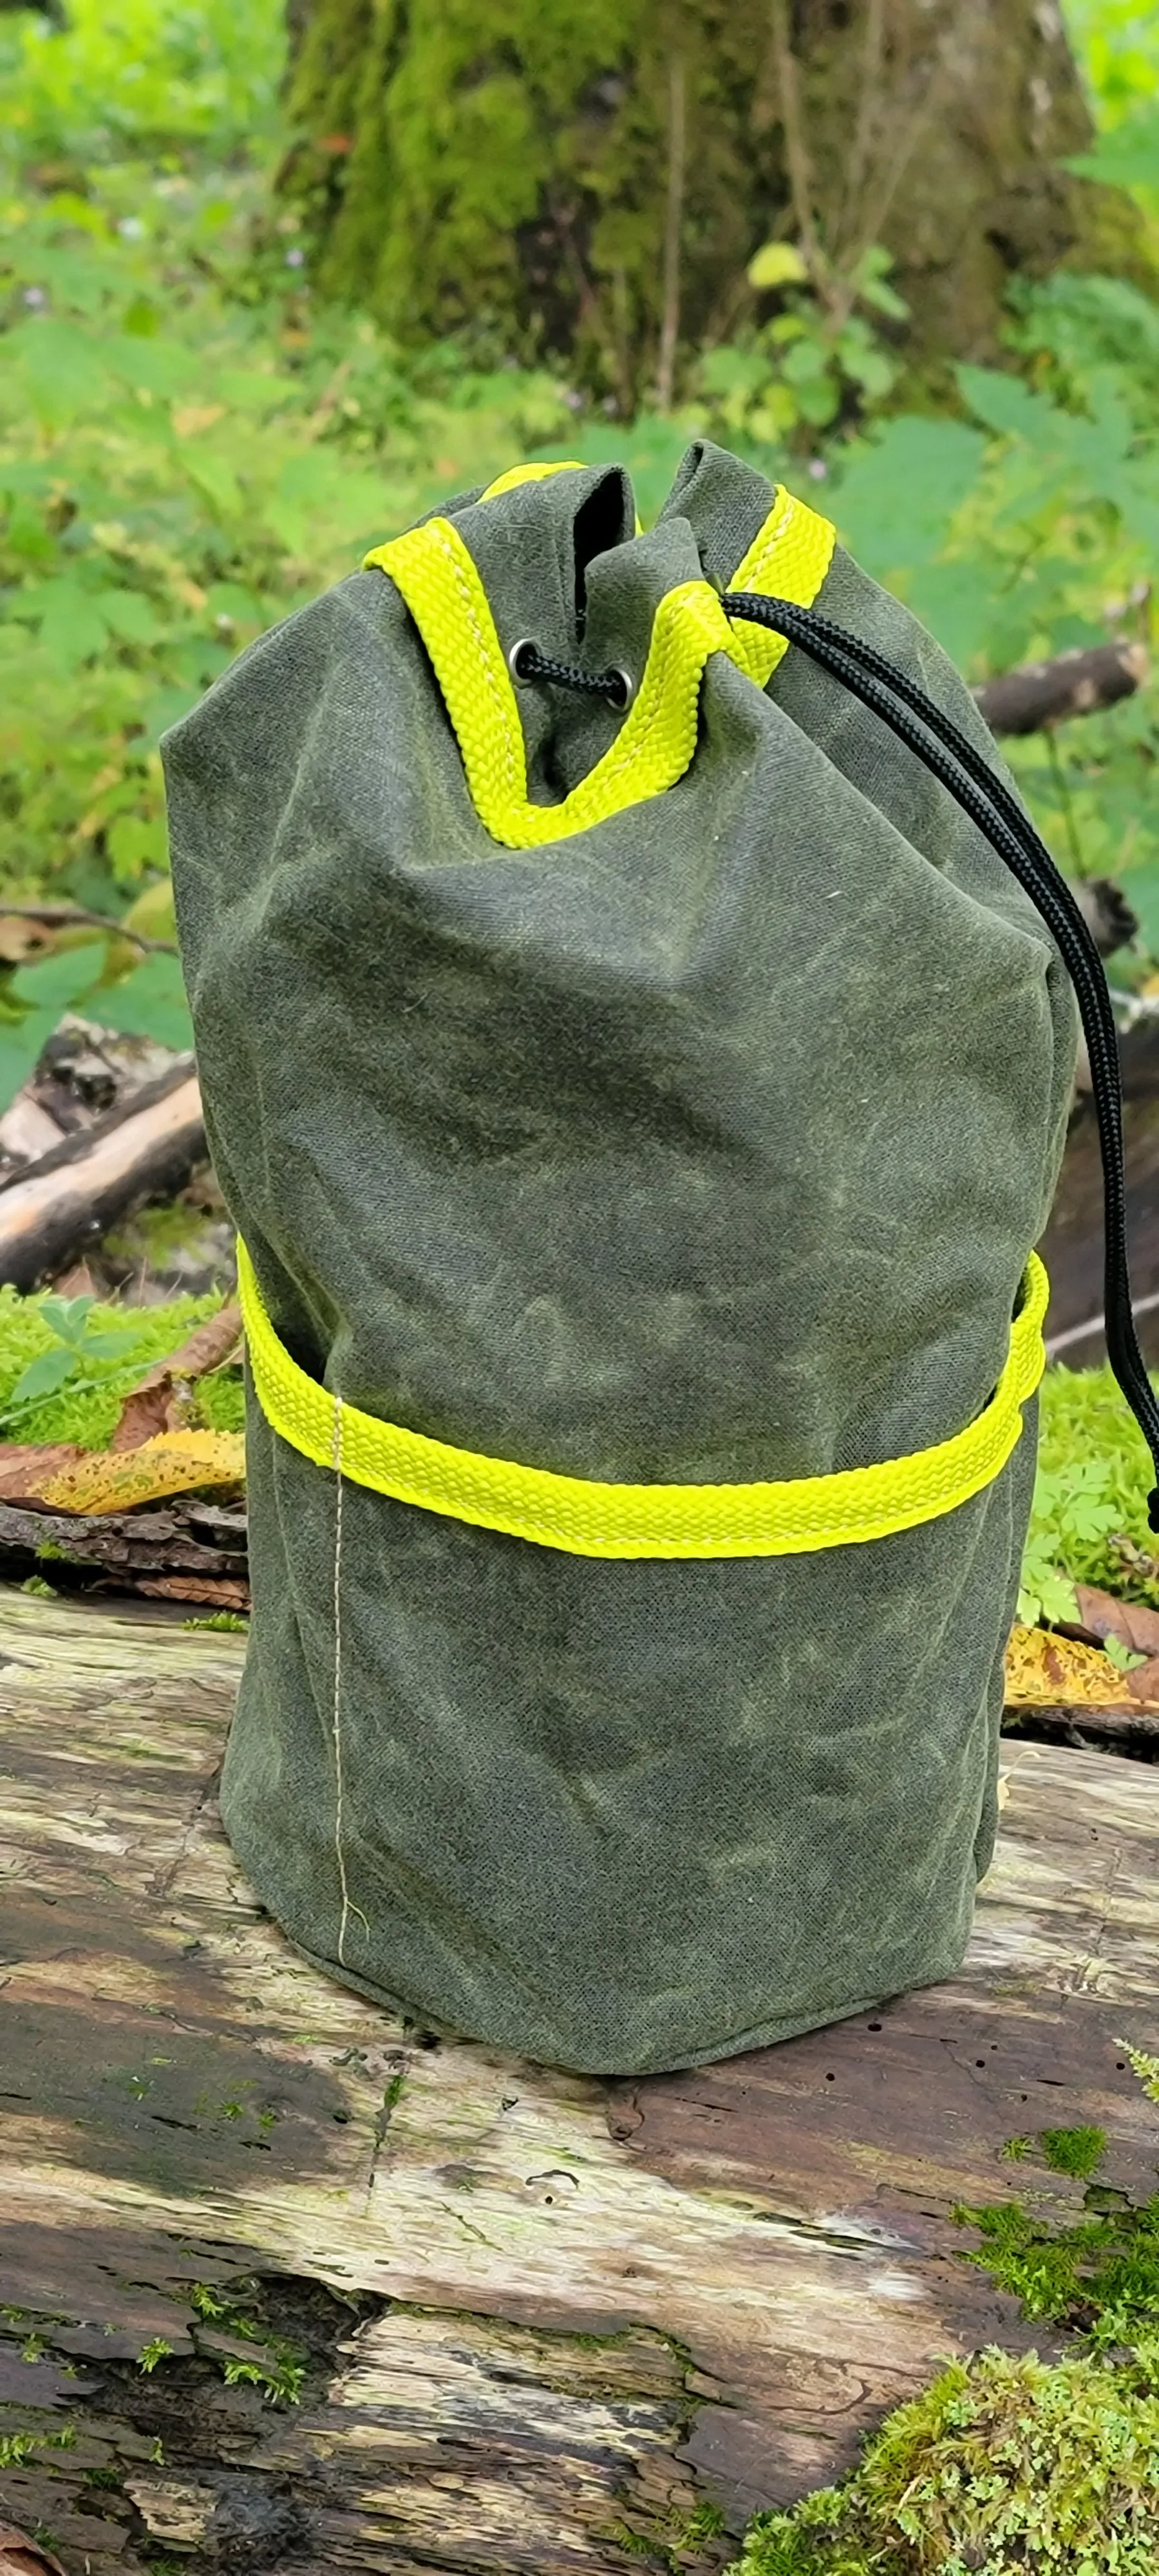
(339,1784)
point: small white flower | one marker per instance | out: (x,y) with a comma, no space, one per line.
(35,296)
(295,259)
(818,469)
(131,228)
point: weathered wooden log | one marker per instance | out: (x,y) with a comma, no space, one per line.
(145,1148)
(532,2320)
(1078,683)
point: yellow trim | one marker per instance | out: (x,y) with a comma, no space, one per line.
(587,1518)
(517,474)
(439,580)
(440,583)
(788,559)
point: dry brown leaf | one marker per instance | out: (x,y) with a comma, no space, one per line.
(26,1467)
(1048,1671)
(1104,1616)
(179,1462)
(20,2556)
(218,1592)
(21,939)
(147,1407)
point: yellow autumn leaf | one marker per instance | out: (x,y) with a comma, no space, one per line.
(1046,1671)
(777,264)
(176,1462)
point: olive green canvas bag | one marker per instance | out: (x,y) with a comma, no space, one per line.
(636,1026)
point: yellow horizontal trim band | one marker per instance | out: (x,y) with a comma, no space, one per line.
(588,1518)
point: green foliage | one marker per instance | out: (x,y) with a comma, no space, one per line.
(816,361)
(1004,2467)
(1032,527)
(133,76)
(84,1350)
(157,2349)
(1099,2277)
(1094,1477)
(74,1347)
(1117,45)
(1144,2066)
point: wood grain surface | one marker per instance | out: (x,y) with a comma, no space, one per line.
(536,2317)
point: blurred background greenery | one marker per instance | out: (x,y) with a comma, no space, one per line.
(266,292)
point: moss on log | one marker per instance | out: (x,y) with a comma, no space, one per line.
(583,185)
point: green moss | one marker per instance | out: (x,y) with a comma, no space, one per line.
(505,172)
(502,173)
(16,2449)
(1007,2466)
(219,1401)
(1094,1476)
(277,2366)
(1073,2151)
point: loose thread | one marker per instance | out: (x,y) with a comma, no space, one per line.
(347,1907)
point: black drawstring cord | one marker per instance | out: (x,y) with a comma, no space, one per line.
(525,662)
(990,804)
(969,779)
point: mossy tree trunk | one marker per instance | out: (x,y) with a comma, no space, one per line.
(586,184)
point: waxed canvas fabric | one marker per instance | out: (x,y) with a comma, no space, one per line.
(706,1144)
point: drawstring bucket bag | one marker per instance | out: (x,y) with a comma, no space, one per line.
(636,1020)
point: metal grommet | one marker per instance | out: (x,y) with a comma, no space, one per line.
(526,644)
(628,686)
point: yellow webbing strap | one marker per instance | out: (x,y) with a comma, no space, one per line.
(517,475)
(439,580)
(586,1518)
(788,559)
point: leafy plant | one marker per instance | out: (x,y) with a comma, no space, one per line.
(1091,1490)
(93,1370)
(813,362)
(75,1345)
(157,2349)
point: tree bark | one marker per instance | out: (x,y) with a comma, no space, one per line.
(512,173)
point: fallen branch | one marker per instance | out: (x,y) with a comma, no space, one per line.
(1073,684)
(70,916)
(145,1149)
